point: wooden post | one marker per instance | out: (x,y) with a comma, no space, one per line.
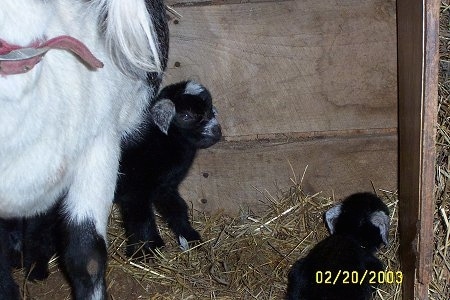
(418,56)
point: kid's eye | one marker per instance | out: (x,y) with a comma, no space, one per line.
(187,116)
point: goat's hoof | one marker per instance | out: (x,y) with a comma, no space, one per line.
(192,236)
(189,240)
(145,250)
(38,274)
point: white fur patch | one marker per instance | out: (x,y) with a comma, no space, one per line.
(207,130)
(101,159)
(98,292)
(380,220)
(162,113)
(131,36)
(193,88)
(61,123)
(184,245)
(331,216)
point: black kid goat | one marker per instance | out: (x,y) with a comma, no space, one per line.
(358,226)
(184,120)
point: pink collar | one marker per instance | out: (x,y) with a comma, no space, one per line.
(15,59)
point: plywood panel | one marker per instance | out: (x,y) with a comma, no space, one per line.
(293,66)
(229,174)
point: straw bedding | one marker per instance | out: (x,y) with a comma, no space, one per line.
(246,256)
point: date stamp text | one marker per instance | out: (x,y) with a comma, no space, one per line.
(355,277)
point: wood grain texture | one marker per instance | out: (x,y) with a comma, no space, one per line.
(429,121)
(293,66)
(418,23)
(230,175)
(410,97)
(182,3)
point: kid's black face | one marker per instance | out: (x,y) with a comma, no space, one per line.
(196,117)
(192,110)
(356,219)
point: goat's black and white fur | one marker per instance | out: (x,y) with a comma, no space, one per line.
(358,226)
(182,120)
(62,123)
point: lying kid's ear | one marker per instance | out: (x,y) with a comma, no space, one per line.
(331,216)
(381,220)
(162,113)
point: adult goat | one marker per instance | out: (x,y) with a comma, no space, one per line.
(75,79)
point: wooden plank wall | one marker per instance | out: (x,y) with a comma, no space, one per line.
(418,31)
(301,82)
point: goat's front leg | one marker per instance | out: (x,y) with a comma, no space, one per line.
(40,243)
(174,210)
(86,209)
(8,288)
(85,260)
(139,222)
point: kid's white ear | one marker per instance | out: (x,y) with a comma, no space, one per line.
(380,220)
(331,216)
(162,113)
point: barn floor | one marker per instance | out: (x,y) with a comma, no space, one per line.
(245,256)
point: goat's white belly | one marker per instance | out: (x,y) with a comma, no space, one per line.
(40,149)
(52,116)
(46,130)
(32,181)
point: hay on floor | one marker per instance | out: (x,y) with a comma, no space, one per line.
(246,256)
